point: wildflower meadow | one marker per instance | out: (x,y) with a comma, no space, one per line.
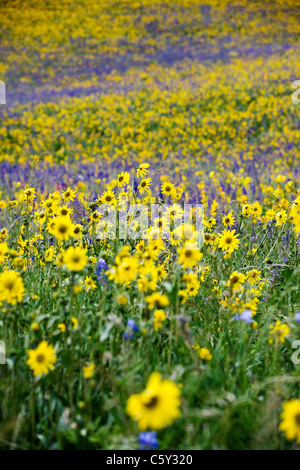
(149,225)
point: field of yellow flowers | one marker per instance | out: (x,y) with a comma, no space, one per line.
(125,324)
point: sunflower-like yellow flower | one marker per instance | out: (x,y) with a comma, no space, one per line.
(122,299)
(62,327)
(147,278)
(108,197)
(142,169)
(209,238)
(50,254)
(3,251)
(11,287)
(228,220)
(123,178)
(290,417)
(256,209)
(281,217)
(236,280)
(253,276)
(203,353)
(75,258)
(77,231)
(127,270)
(75,323)
(68,195)
(64,211)
(157,406)
(159,318)
(29,194)
(90,284)
(246,211)
(189,255)
(157,300)
(3,234)
(88,371)
(168,189)
(144,185)
(61,227)
(296,222)
(42,358)
(229,241)
(278,332)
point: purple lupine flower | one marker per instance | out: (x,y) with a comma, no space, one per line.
(148,440)
(128,334)
(132,325)
(245,316)
(101,267)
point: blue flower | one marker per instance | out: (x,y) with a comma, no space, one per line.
(148,440)
(132,325)
(128,335)
(245,316)
(297,317)
(100,267)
